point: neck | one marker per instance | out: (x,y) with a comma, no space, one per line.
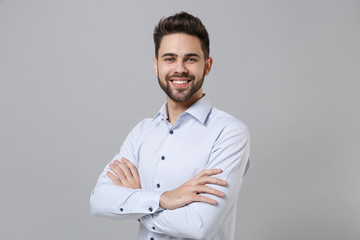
(175,109)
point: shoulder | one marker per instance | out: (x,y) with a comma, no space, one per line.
(230,131)
(140,127)
(143,125)
(226,121)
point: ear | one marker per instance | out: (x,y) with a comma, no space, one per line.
(208,65)
(155,62)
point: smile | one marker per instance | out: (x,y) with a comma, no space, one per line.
(180,83)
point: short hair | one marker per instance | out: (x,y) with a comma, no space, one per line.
(182,22)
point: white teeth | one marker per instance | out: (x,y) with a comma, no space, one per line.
(180,82)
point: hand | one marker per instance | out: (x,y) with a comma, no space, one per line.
(189,191)
(126,174)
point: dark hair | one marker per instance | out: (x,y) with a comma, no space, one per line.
(182,23)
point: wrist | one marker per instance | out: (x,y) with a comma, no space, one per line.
(162,201)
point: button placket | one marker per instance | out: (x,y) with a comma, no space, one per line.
(158,183)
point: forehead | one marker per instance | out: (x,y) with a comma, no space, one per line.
(180,43)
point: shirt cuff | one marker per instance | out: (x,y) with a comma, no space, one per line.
(147,203)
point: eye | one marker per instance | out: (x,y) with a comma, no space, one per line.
(169,59)
(191,60)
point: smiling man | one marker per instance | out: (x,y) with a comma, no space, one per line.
(180,172)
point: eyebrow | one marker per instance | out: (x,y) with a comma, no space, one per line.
(175,55)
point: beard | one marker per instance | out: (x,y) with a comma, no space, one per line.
(181,95)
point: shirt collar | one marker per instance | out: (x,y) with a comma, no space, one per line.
(162,114)
(199,110)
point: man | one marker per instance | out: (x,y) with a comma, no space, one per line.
(180,172)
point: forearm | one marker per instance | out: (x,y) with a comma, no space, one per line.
(118,200)
(114,201)
(197,220)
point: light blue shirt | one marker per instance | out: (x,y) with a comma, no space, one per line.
(166,157)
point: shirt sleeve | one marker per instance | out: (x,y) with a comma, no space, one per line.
(110,200)
(200,220)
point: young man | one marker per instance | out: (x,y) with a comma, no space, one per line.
(180,172)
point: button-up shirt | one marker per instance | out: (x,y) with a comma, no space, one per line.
(166,157)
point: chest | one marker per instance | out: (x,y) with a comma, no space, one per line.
(169,160)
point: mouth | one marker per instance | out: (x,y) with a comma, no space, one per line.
(180,82)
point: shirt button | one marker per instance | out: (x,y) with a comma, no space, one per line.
(150,209)
(158,185)
(139,220)
(171,131)
(153,228)
(152,238)
(121,209)
(162,157)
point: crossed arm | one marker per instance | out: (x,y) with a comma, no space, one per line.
(126,175)
(201,207)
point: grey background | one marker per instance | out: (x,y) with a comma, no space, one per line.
(76,76)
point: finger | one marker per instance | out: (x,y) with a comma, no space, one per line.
(132,168)
(114,178)
(211,180)
(201,198)
(119,173)
(124,169)
(209,190)
(208,172)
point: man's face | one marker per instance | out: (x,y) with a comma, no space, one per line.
(181,67)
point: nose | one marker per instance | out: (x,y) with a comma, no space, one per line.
(180,67)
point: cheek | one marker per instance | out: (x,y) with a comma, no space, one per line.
(163,71)
(198,71)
